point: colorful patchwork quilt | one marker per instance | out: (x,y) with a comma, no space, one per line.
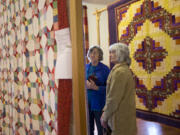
(28,101)
(151,28)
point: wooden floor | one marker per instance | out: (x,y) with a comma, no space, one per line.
(153,128)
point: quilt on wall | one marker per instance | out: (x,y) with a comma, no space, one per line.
(85,31)
(151,28)
(28,101)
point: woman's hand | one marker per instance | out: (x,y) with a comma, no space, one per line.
(91,85)
(103,123)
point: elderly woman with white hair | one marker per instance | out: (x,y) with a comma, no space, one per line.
(119,112)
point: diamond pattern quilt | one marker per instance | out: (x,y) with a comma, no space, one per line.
(151,28)
(28,89)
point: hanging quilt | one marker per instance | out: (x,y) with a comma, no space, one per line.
(151,28)
(28,89)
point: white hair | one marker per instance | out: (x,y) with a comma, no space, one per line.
(122,52)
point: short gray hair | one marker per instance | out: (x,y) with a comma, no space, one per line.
(122,52)
(99,51)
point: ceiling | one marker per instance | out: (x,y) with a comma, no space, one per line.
(99,1)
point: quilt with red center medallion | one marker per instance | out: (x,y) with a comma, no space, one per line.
(151,28)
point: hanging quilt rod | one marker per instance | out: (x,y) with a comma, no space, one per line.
(100,11)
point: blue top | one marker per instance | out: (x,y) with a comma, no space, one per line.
(96,98)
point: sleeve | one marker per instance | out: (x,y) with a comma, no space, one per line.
(115,93)
(102,88)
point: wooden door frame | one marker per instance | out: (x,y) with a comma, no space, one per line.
(78,68)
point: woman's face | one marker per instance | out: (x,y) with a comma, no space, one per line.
(113,57)
(94,55)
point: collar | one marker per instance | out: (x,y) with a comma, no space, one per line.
(119,65)
(98,67)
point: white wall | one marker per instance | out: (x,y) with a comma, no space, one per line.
(104,33)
